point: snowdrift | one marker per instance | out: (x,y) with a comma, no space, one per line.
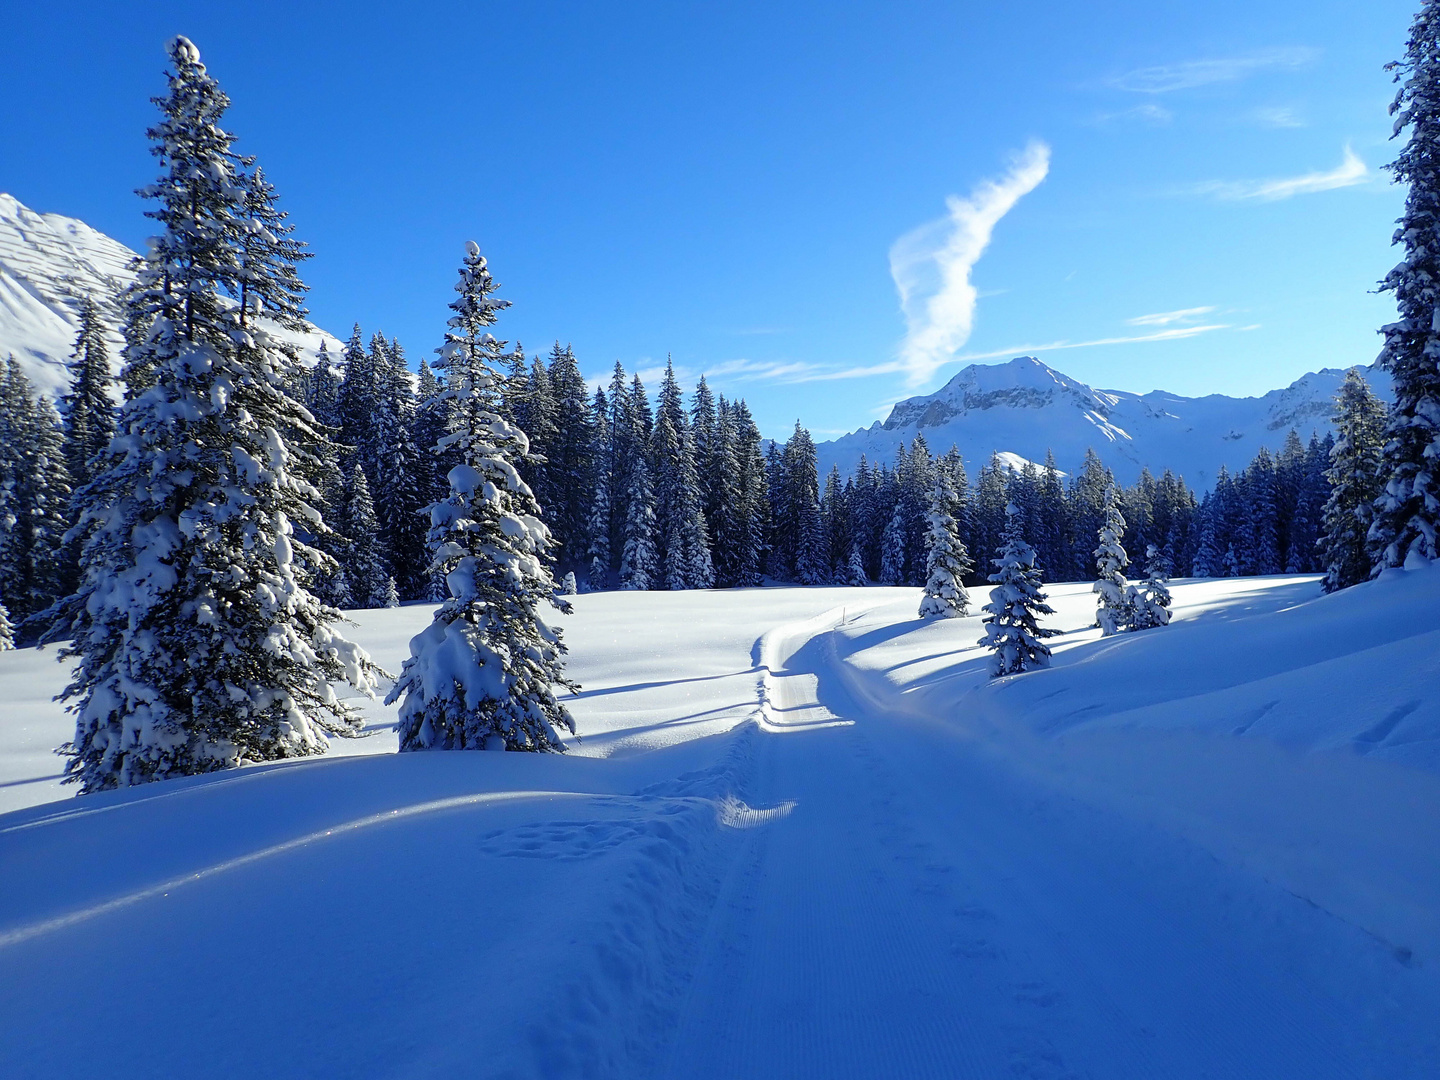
(1296,733)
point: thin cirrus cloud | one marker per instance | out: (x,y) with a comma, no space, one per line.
(1189,74)
(1174,333)
(1348,173)
(1277,116)
(1165,318)
(1145,113)
(931,266)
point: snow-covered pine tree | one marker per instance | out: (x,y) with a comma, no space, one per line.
(754,496)
(1208,561)
(88,409)
(946,560)
(639,562)
(569,586)
(199,647)
(536,414)
(7,632)
(400,475)
(367,569)
(482,676)
(356,399)
(1355,483)
(892,548)
(1260,524)
(1407,521)
(703,419)
(855,568)
(1012,629)
(322,389)
(602,457)
(36,565)
(727,514)
(1113,614)
(684,544)
(570,465)
(1149,602)
(988,518)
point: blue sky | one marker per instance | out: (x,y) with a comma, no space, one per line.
(827,206)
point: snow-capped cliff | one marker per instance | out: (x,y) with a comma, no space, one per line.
(48,263)
(1025,408)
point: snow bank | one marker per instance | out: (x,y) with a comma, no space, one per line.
(1296,733)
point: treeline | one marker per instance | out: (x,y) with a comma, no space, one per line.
(679,494)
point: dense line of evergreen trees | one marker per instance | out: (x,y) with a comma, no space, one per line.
(679,495)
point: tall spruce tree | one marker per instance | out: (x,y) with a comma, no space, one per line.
(88,408)
(1012,629)
(947,561)
(368,575)
(199,647)
(754,496)
(1355,483)
(1149,602)
(570,465)
(1113,613)
(684,543)
(35,501)
(482,676)
(400,475)
(601,504)
(639,562)
(1407,518)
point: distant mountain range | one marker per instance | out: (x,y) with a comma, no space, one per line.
(1019,409)
(1025,408)
(48,264)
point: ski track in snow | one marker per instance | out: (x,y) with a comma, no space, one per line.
(765,859)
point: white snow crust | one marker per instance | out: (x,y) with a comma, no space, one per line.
(802,834)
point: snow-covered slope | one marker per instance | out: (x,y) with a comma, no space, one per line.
(803,835)
(48,263)
(1025,408)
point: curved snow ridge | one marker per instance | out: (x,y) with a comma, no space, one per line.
(25,933)
(727,811)
(788,700)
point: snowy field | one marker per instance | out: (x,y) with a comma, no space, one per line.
(802,835)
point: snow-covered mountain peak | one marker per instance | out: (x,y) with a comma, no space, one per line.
(1024,408)
(48,264)
(1022,383)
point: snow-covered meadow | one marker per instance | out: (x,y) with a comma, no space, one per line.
(801,834)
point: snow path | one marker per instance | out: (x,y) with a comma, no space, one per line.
(926,911)
(767,858)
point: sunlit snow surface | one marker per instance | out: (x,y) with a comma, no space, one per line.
(802,835)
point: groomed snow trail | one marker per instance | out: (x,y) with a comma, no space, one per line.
(925,910)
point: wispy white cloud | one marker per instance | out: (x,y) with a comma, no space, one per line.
(1145,113)
(896,366)
(931,265)
(1277,116)
(800,372)
(1167,78)
(759,369)
(1351,171)
(1165,318)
